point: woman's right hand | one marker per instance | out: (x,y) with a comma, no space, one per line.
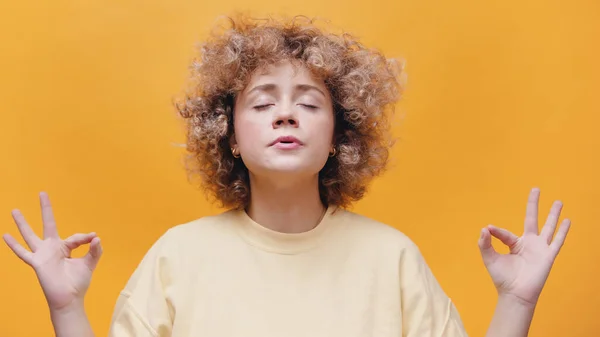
(64,279)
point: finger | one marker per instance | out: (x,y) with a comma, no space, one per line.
(505,236)
(50,230)
(32,240)
(551,222)
(93,256)
(76,240)
(531,215)
(23,254)
(488,253)
(560,237)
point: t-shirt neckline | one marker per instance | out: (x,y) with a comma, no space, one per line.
(279,242)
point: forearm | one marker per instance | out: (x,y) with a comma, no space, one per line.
(71,322)
(512,318)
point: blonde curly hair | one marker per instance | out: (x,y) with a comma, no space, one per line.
(363,83)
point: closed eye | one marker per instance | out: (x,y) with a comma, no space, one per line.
(262,107)
(309,106)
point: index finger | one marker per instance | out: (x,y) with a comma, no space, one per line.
(50,230)
(531,214)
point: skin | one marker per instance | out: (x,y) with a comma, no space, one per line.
(520,276)
(284,100)
(285,198)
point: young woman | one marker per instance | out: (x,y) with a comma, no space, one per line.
(287,126)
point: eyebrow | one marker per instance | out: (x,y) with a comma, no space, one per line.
(273,86)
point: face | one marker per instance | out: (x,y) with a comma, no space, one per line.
(283,122)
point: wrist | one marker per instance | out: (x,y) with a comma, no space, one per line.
(516,301)
(512,317)
(73,308)
(71,320)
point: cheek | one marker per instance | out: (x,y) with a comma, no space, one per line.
(247,131)
(322,129)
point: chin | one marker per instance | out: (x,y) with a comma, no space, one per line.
(288,169)
(285,171)
(286,165)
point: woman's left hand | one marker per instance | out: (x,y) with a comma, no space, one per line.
(522,273)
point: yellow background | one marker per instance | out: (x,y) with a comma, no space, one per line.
(502,96)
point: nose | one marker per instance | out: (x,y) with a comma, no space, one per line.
(285,117)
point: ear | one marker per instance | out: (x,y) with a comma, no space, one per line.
(232,141)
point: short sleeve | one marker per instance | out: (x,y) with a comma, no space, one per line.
(144,307)
(454,325)
(426,310)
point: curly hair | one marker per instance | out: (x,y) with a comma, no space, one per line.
(363,83)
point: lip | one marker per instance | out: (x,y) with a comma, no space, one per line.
(286,142)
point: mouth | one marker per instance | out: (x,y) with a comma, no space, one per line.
(286,141)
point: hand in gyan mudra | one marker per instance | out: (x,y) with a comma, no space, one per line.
(523,272)
(64,279)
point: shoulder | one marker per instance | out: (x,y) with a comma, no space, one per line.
(210,224)
(189,240)
(376,234)
(196,234)
(408,273)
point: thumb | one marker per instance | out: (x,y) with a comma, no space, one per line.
(93,256)
(488,253)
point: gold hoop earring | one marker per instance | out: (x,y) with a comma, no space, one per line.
(333,152)
(235,153)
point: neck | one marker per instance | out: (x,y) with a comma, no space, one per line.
(291,208)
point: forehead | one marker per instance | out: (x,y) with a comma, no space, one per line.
(282,73)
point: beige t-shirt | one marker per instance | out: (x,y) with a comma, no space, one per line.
(227,276)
